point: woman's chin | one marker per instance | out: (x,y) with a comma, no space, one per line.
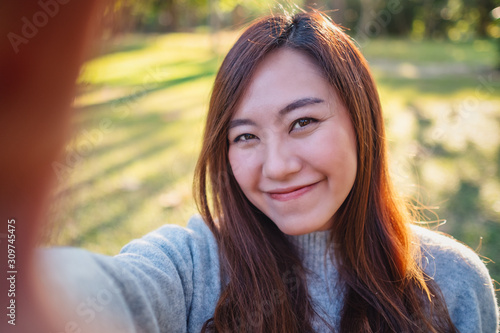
(297,228)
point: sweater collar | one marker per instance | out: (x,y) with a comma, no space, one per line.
(312,248)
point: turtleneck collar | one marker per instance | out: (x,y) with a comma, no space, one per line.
(312,249)
(323,285)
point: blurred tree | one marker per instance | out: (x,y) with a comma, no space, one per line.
(431,14)
(495,13)
(402,17)
(484,7)
(453,19)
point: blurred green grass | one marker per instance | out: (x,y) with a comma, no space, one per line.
(139,119)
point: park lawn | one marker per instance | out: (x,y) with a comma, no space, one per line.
(476,53)
(139,119)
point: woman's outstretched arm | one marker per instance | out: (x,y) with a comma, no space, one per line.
(43,44)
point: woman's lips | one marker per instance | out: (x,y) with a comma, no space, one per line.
(290,193)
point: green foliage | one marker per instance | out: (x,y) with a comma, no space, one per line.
(457,20)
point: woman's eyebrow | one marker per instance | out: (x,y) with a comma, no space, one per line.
(240,122)
(299,103)
(290,107)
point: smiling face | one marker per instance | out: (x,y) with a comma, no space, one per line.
(292,146)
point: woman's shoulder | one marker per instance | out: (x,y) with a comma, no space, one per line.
(462,277)
(452,256)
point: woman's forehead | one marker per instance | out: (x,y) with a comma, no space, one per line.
(283,77)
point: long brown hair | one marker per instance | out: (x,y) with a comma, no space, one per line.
(265,286)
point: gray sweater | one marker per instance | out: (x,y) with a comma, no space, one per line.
(168,281)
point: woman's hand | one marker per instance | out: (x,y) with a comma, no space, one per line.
(44,43)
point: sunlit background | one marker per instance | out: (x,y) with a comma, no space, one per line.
(142,101)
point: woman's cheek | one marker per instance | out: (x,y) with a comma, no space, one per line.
(239,165)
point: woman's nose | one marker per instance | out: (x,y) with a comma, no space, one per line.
(280,160)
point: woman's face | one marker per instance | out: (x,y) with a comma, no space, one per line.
(292,146)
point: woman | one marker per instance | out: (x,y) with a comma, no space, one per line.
(300,228)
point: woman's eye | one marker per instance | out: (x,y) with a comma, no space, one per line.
(303,122)
(244,137)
